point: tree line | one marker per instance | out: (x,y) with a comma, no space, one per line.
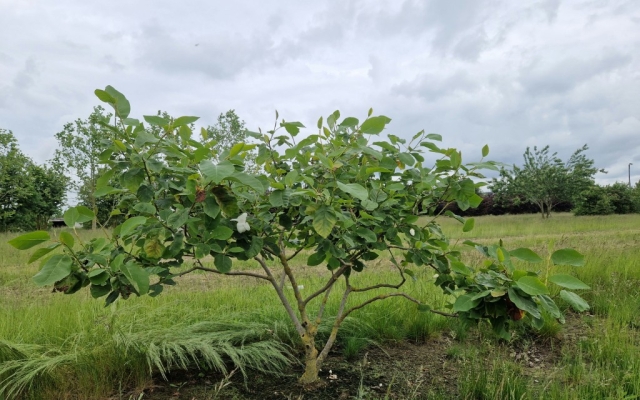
(546,183)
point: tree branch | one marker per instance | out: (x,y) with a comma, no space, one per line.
(283,298)
(215,271)
(330,282)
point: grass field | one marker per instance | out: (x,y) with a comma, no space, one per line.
(224,337)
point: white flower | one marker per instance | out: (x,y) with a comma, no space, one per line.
(412,232)
(243,225)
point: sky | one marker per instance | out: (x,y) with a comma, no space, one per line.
(509,74)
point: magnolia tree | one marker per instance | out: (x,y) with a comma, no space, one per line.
(344,196)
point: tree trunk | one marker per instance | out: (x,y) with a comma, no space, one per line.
(310,374)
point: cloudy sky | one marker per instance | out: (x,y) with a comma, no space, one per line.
(510,74)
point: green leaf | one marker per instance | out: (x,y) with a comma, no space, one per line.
(354,189)
(178,218)
(324,220)
(56,268)
(424,308)
(235,149)
(374,125)
(137,276)
(367,235)
(248,180)
(316,259)
(524,303)
(221,232)
(349,122)
(567,257)
(186,120)
(468,225)
(465,302)
(42,252)
(456,159)
(132,223)
(532,286)
(548,304)
(434,136)
(145,208)
(574,301)
(526,255)
(29,240)
(222,263)
(568,282)
(407,159)
(98,276)
(156,120)
(210,207)
(485,150)
(122,106)
(67,239)
(106,190)
(216,173)
(77,214)
(104,96)
(153,247)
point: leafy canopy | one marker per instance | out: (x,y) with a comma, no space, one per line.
(345,194)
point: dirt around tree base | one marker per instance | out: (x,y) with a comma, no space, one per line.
(396,371)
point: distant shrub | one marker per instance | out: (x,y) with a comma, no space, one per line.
(594,201)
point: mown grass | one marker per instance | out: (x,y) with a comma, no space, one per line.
(57,346)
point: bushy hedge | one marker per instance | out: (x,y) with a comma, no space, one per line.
(618,198)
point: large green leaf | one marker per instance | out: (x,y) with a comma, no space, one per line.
(178,218)
(355,190)
(216,172)
(79,214)
(222,263)
(374,125)
(468,225)
(568,282)
(180,121)
(524,303)
(29,240)
(138,277)
(67,239)
(42,252)
(316,259)
(575,301)
(122,106)
(324,220)
(248,180)
(567,257)
(221,232)
(367,234)
(532,286)
(56,268)
(132,223)
(548,304)
(465,302)
(526,255)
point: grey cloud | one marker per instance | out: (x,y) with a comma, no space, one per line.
(549,76)
(221,55)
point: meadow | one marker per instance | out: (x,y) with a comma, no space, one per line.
(229,338)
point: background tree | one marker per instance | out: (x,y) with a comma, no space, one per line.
(15,185)
(545,180)
(337,195)
(30,194)
(80,145)
(228,130)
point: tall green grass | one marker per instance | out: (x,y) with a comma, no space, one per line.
(52,345)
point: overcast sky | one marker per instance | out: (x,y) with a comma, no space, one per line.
(510,74)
